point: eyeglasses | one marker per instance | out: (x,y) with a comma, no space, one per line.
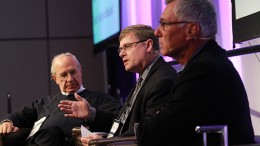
(64,76)
(163,24)
(129,45)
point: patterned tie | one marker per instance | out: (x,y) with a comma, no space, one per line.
(131,101)
(137,88)
(118,124)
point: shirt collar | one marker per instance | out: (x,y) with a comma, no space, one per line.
(196,52)
(78,91)
(147,70)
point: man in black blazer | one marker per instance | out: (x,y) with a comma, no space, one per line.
(208,90)
(139,50)
(56,129)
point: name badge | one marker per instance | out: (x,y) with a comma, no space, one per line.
(114,128)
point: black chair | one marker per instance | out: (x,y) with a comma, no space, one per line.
(221,129)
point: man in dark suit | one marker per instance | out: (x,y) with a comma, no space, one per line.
(139,50)
(208,90)
(55,129)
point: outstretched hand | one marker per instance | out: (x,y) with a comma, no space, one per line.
(75,109)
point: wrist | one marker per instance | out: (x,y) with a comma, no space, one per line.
(91,116)
(5,120)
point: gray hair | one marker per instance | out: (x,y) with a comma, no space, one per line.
(53,70)
(142,32)
(198,11)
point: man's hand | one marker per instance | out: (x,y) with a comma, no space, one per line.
(76,109)
(8,127)
(85,140)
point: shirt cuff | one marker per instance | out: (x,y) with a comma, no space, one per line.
(92,115)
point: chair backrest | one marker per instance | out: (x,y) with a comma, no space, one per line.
(221,129)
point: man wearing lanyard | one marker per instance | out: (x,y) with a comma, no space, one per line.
(139,50)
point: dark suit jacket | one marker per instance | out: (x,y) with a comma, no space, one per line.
(209,91)
(153,94)
(106,107)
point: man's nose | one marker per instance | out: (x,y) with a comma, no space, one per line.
(157,32)
(70,77)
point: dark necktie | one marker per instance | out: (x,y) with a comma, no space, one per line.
(179,73)
(136,91)
(131,101)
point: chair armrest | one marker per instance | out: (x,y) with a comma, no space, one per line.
(118,141)
(15,139)
(76,134)
(221,129)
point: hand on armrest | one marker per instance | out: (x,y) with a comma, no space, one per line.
(15,138)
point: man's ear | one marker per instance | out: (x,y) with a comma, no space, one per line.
(149,45)
(53,78)
(193,31)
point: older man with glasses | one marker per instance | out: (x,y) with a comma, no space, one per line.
(50,127)
(208,91)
